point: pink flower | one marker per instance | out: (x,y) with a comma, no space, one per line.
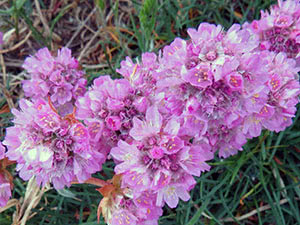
(108,108)
(192,159)
(171,193)
(122,206)
(158,156)
(113,122)
(62,94)
(141,75)
(152,125)
(59,77)
(278,30)
(157,152)
(235,81)
(199,76)
(49,147)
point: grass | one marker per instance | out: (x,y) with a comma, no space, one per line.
(259,185)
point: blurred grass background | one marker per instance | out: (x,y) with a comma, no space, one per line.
(260,185)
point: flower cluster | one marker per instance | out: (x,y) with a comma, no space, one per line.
(2,151)
(120,206)
(167,116)
(50,147)
(226,89)
(159,159)
(107,109)
(58,77)
(279,30)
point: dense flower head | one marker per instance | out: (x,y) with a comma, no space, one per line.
(52,148)
(56,76)
(206,78)
(141,75)
(108,108)
(278,31)
(284,89)
(219,87)
(159,160)
(121,206)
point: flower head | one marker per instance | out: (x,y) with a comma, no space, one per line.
(278,30)
(120,206)
(58,77)
(53,148)
(108,109)
(159,157)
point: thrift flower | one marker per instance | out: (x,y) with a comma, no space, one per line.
(120,206)
(222,90)
(52,148)
(108,108)
(56,76)
(158,159)
(278,31)
(210,79)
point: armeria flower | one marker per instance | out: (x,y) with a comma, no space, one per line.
(159,160)
(5,178)
(213,77)
(172,192)
(52,148)
(108,109)
(278,30)
(57,76)
(120,206)
(141,75)
(280,107)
